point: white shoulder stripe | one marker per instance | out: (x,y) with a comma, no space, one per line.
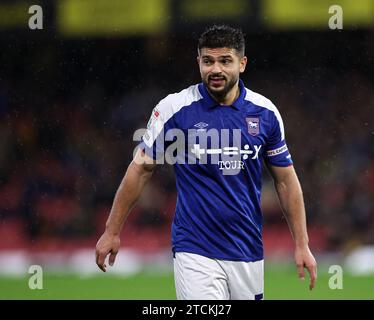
(261,101)
(168,107)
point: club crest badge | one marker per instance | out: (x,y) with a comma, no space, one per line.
(253,125)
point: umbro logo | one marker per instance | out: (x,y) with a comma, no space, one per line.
(201,125)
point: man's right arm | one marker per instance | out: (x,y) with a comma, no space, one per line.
(137,175)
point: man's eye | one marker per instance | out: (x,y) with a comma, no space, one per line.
(226,61)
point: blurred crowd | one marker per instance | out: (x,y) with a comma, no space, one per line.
(68,113)
(330,133)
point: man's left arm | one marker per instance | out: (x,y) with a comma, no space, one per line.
(290,195)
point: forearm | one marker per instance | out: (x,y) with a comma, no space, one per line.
(126,196)
(292,203)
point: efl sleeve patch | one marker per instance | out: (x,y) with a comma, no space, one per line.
(275,152)
(279,155)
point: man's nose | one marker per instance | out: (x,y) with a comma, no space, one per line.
(216,68)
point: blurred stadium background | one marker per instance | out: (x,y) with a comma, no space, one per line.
(72,95)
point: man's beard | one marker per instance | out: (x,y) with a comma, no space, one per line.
(221,94)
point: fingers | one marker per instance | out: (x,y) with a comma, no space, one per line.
(305,259)
(112,257)
(312,269)
(100,260)
(107,244)
(300,270)
(313,275)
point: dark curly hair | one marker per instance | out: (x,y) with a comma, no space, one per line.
(220,36)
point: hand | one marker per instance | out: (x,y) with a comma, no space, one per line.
(305,259)
(108,243)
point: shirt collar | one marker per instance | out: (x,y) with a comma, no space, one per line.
(211,103)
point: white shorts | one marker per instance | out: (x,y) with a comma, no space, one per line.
(201,278)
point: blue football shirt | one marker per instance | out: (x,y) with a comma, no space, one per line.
(218,211)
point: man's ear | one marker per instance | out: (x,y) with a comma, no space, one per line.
(243,63)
